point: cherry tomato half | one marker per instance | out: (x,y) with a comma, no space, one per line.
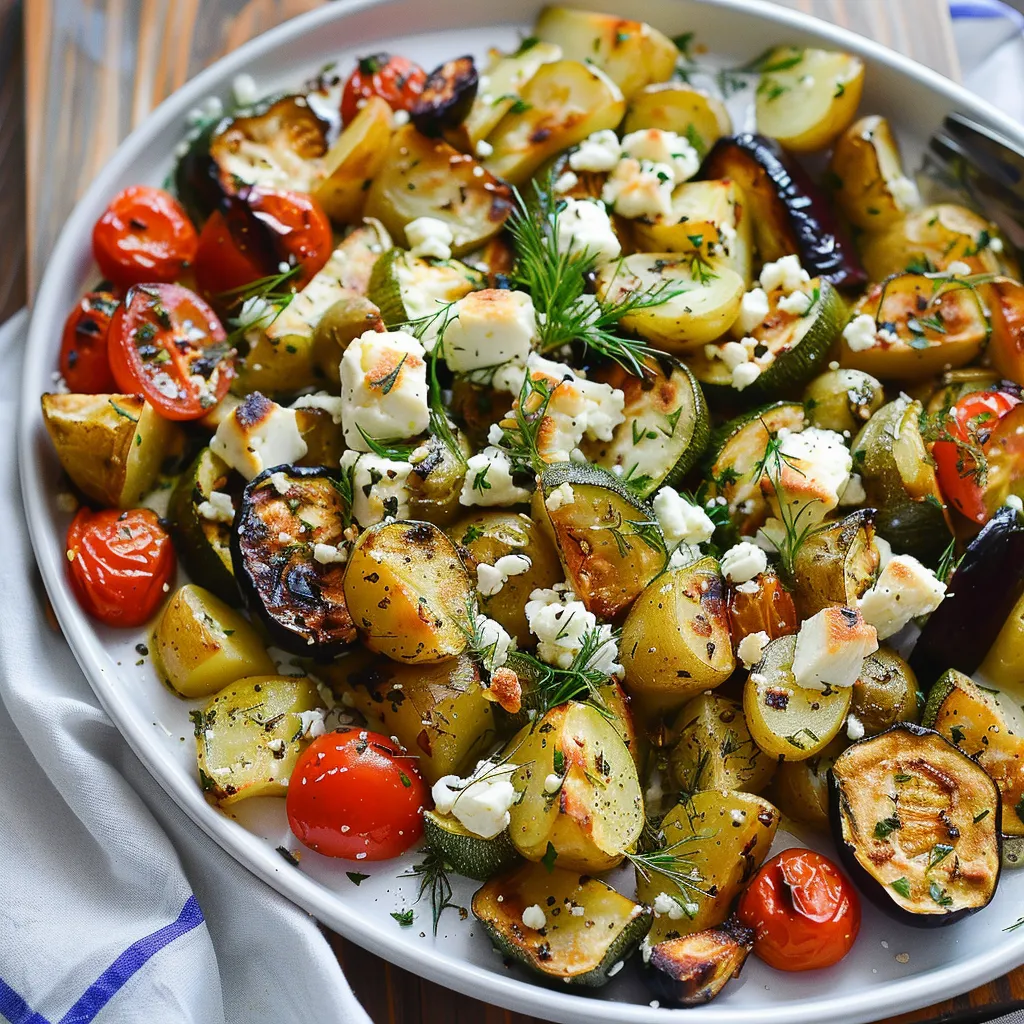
(84,363)
(962,474)
(355,792)
(396,80)
(119,564)
(222,265)
(166,343)
(768,609)
(144,235)
(804,912)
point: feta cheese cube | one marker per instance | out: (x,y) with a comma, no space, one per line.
(797,303)
(753,311)
(534,917)
(429,237)
(831,647)
(562,624)
(218,508)
(904,590)
(785,273)
(860,333)
(813,470)
(494,641)
(743,561)
(489,480)
(330,554)
(256,435)
(663,147)
(383,388)
(379,487)
(751,647)
(487,328)
(583,226)
(681,521)
(598,152)
(744,375)
(640,188)
(480,802)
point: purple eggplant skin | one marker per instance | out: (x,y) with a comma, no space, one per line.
(981,594)
(870,886)
(447,97)
(790,212)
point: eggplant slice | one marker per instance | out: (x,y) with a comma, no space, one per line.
(790,213)
(981,594)
(447,96)
(917,824)
(288,516)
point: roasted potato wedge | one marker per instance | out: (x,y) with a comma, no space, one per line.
(835,564)
(800,788)
(680,108)
(112,446)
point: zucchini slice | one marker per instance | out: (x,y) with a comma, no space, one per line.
(737,449)
(790,722)
(204,545)
(408,288)
(610,543)
(899,478)
(987,729)
(694,968)
(665,431)
(578,949)
(982,592)
(467,853)
(843,400)
(289,515)
(917,825)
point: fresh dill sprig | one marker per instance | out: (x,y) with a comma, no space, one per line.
(432,872)
(772,466)
(675,864)
(554,686)
(948,562)
(557,283)
(270,292)
(395,451)
(520,440)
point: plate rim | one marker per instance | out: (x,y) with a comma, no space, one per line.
(901,995)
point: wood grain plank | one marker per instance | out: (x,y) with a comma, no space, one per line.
(12,161)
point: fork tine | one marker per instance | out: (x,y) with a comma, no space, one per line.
(995,154)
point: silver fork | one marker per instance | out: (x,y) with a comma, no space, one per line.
(987,165)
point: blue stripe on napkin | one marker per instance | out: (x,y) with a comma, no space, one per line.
(109,983)
(985,9)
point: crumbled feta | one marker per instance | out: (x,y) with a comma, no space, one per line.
(958,268)
(330,404)
(491,578)
(668,906)
(400,117)
(751,647)
(854,493)
(383,388)
(429,237)
(379,487)
(487,328)
(562,624)
(311,723)
(256,435)
(495,642)
(489,480)
(639,188)
(753,311)
(481,801)
(860,333)
(566,182)
(904,590)
(681,521)
(797,303)
(1014,502)
(744,375)
(813,470)
(683,555)
(785,273)
(217,508)
(831,647)
(905,192)
(552,783)
(733,353)
(280,482)
(585,227)
(534,917)
(743,562)
(662,147)
(244,90)
(330,554)
(599,151)
(484,149)
(995,243)
(854,728)
(563,494)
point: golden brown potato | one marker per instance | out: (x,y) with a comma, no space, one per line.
(680,108)
(324,439)
(342,322)
(800,788)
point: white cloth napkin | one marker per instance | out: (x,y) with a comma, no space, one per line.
(115,906)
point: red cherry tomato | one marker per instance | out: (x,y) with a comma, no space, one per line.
(970,425)
(144,235)
(354,792)
(84,363)
(222,265)
(119,564)
(396,80)
(298,227)
(805,913)
(167,344)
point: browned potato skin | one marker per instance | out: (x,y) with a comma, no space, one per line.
(680,108)
(491,535)
(408,592)
(885,693)
(324,439)
(438,712)
(341,324)
(800,788)
(836,564)
(693,969)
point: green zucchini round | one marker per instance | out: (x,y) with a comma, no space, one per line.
(467,853)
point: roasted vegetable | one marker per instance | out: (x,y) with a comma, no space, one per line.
(320,430)
(867,175)
(249,736)
(1005,300)
(201,645)
(806,98)
(111,446)
(423,177)
(885,692)
(438,711)
(789,213)
(787,721)
(917,825)
(447,96)
(694,968)
(716,838)
(435,481)
(835,564)
(982,592)
(1004,663)
(579,949)
(409,592)
(703,214)
(467,853)
(680,108)
(715,749)
(842,400)
(675,641)
(594,814)
(631,53)
(800,788)
(609,542)
(287,551)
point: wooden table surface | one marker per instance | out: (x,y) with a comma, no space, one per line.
(84,72)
